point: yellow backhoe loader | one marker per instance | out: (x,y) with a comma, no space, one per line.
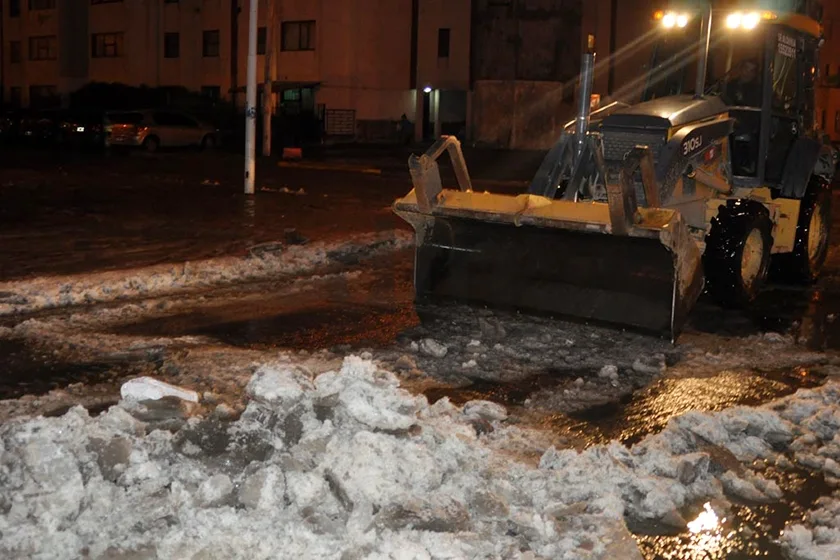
(719,172)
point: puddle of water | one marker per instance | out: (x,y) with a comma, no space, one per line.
(369,311)
(27,373)
(649,410)
(745,530)
(643,412)
(314,328)
(812,315)
(507,394)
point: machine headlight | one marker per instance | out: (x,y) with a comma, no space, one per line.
(733,21)
(671,20)
(748,21)
(751,20)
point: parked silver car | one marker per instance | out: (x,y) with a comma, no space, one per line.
(153,129)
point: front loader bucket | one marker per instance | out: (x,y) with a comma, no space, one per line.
(629,281)
(602,261)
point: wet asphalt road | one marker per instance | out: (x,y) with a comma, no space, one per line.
(73,219)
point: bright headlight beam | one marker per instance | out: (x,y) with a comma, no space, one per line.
(751,20)
(682,20)
(669,20)
(733,21)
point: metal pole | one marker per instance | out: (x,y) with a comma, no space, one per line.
(251,100)
(587,75)
(268,79)
(703,52)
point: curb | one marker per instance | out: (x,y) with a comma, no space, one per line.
(331,167)
(379,171)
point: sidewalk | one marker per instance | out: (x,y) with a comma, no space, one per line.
(484,164)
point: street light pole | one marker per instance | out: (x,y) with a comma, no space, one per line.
(251,100)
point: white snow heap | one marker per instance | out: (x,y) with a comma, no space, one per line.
(148,388)
(49,292)
(349,465)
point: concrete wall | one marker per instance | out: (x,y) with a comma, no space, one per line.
(628,56)
(74,44)
(518,115)
(452,72)
(828,96)
(828,112)
(526,40)
(361,58)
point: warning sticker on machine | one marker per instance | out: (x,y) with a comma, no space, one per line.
(787,45)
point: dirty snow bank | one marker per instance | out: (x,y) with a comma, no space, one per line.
(346,464)
(817,446)
(263,262)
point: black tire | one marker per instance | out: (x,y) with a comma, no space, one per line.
(731,278)
(803,266)
(151,144)
(208,142)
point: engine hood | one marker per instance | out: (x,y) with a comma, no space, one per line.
(666,112)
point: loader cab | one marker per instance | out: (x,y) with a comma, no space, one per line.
(765,72)
(767,79)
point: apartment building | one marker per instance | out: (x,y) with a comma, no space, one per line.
(356,62)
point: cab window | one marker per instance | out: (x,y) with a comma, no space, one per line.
(784,73)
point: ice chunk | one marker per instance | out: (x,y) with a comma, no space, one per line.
(306,490)
(749,491)
(485,410)
(279,387)
(57,487)
(263,490)
(777,338)
(491,329)
(832,468)
(112,456)
(358,393)
(432,347)
(608,372)
(151,389)
(405,363)
(649,365)
(214,491)
(443,514)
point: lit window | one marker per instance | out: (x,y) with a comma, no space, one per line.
(106,45)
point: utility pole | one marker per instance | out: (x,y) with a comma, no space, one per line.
(268,106)
(251,100)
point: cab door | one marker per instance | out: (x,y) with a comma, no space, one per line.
(785,122)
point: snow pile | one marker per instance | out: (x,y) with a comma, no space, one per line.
(346,464)
(816,415)
(47,292)
(148,388)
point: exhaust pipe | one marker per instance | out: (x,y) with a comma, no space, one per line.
(587,77)
(703,52)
